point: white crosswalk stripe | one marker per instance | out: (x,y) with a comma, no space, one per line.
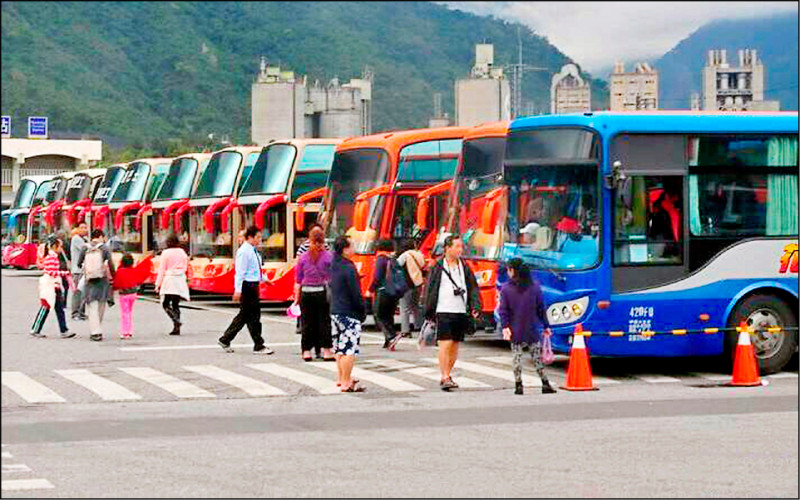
(6,454)
(319,384)
(425,372)
(249,385)
(507,375)
(29,389)
(716,377)
(783,375)
(173,385)
(8,468)
(385,381)
(658,379)
(26,484)
(106,389)
(505,360)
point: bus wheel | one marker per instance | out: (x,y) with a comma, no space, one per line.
(773,350)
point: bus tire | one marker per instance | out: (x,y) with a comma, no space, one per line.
(773,350)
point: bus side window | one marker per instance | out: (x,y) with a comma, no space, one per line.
(648,221)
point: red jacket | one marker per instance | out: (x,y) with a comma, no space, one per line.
(127,279)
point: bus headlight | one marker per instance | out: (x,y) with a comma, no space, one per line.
(567,312)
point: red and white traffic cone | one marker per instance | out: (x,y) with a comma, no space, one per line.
(579,374)
(745,366)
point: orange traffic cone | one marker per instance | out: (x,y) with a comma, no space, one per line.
(579,374)
(745,367)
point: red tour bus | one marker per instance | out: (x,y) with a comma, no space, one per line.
(179,184)
(19,247)
(475,184)
(142,179)
(96,212)
(286,172)
(80,191)
(374,184)
(212,246)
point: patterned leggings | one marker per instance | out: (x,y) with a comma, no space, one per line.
(536,355)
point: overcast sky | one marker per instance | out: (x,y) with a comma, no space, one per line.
(595,34)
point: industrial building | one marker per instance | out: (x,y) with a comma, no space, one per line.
(738,87)
(284,106)
(440,118)
(484,96)
(636,90)
(569,92)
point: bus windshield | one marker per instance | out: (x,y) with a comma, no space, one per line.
(109,185)
(133,183)
(552,177)
(352,173)
(25,193)
(179,181)
(78,188)
(270,175)
(219,177)
(429,161)
(156,180)
(482,164)
(41,193)
(56,190)
(312,172)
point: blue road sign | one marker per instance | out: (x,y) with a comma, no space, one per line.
(6,126)
(37,127)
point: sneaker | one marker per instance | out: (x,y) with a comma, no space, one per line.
(125,336)
(263,350)
(97,337)
(38,335)
(518,388)
(67,335)
(225,347)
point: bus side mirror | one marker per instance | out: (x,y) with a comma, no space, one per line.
(360,215)
(422,214)
(491,212)
(617,176)
(300,218)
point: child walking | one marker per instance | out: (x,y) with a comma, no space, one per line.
(53,286)
(521,312)
(126,282)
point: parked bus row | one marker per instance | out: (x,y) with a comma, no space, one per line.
(659,232)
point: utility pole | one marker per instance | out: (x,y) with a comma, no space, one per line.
(517,71)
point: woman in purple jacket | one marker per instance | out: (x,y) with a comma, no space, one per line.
(521,313)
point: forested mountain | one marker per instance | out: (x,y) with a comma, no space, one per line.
(774,38)
(139,71)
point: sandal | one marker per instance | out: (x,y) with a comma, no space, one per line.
(354,387)
(355,381)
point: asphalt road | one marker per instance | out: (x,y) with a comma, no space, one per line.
(161,416)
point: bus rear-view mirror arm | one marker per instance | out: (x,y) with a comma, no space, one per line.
(424,200)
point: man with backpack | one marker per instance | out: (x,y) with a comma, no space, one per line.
(413,263)
(389,284)
(98,270)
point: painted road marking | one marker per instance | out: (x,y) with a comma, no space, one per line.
(319,384)
(6,454)
(424,372)
(106,389)
(385,381)
(29,389)
(249,385)
(658,379)
(16,468)
(507,375)
(713,376)
(216,346)
(171,384)
(782,375)
(505,360)
(26,484)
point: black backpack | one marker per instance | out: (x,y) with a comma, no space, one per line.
(396,282)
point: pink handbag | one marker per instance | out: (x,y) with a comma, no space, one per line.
(547,350)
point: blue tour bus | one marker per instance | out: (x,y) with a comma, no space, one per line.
(658,232)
